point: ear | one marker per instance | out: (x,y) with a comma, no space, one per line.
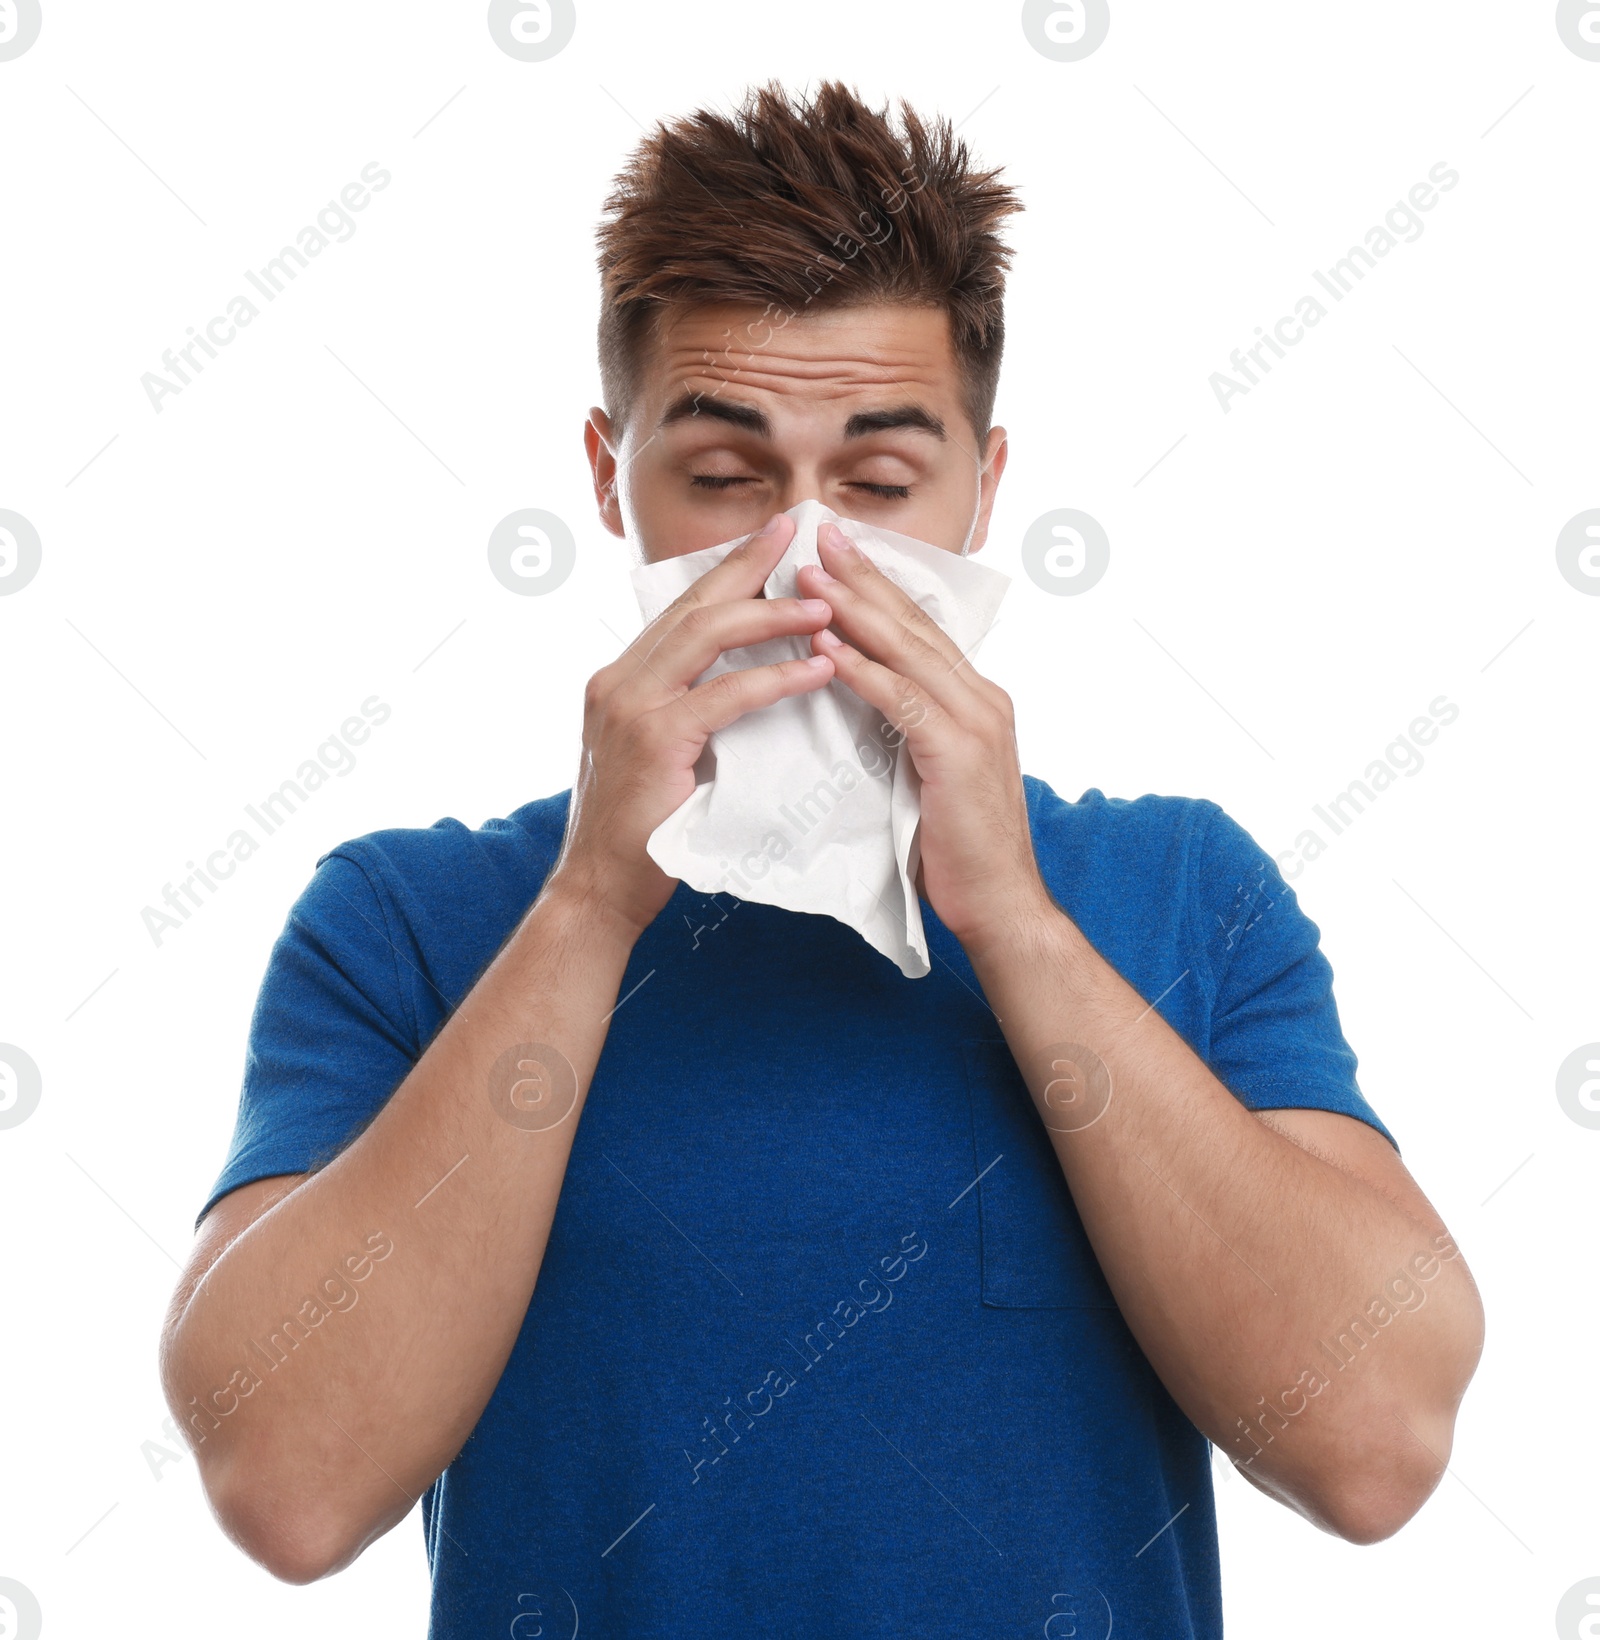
(994,464)
(600,445)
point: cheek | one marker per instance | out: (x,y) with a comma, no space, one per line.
(941,514)
(940,508)
(667,518)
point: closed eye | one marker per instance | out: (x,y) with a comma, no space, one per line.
(883,492)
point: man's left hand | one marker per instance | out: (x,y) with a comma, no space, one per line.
(978,868)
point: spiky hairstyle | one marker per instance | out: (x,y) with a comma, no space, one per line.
(796,203)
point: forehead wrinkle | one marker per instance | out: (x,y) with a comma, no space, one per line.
(814,380)
(819,354)
(745,367)
(805,365)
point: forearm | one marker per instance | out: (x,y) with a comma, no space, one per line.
(322,1439)
(1234,1254)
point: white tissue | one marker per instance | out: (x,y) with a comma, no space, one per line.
(813,803)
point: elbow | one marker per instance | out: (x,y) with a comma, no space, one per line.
(286,1497)
(301,1517)
(285,1502)
(1400,1469)
(1373,1509)
(1376,1471)
(289,1519)
(1359,1505)
(291,1539)
(290,1559)
(1374,1497)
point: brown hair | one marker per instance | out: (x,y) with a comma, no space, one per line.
(798,203)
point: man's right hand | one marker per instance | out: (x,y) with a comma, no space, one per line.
(328,1454)
(646,721)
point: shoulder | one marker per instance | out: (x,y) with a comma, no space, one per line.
(1162,861)
(414,854)
(1154,828)
(451,867)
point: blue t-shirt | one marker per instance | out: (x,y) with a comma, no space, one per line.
(787,1369)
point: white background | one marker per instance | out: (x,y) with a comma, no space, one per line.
(221,585)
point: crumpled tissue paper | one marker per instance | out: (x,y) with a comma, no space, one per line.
(813,803)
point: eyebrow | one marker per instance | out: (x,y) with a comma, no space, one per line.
(911,417)
(688,406)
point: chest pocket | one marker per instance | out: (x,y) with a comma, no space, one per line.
(1034,1251)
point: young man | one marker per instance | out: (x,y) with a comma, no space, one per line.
(702,1274)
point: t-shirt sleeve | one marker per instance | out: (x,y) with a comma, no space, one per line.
(1275,1040)
(332,1034)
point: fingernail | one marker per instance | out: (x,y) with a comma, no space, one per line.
(769,527)
(814,606)
(827,640)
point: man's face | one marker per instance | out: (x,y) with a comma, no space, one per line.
(860,408)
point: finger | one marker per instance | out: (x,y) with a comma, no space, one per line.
(742,574)
(704,634)
(875,615)
(853,567)
(907,707)
(689,720)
